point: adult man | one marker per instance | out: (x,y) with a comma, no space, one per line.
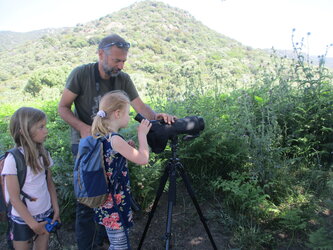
(85,87)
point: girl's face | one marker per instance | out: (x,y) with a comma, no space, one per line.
(124,116)
(39,131)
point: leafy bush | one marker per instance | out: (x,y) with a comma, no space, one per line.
(46,78)
(265,148)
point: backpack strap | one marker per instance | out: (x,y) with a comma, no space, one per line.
(21,170)
(114,133)
(97,78)
(20,165)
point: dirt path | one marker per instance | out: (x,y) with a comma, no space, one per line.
(187,230)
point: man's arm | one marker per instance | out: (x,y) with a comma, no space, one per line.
(142,108)
(147,112)
(65,112)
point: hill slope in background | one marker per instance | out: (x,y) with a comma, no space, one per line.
(10,39)
(166,42)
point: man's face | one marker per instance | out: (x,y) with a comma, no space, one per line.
(113,60)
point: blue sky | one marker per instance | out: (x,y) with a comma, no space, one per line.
(256,23)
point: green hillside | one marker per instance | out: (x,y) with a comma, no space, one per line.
(10,39)
(164,39)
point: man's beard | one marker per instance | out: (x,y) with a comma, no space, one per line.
(110,71)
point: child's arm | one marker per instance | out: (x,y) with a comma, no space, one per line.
(53,194)
(14,194)
(131,143)
(139,156)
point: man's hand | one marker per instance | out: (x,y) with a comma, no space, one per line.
(166,117)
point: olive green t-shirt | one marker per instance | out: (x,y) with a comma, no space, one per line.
(82,82)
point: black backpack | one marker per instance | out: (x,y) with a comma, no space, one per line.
(21,175)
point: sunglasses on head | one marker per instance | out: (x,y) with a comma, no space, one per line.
(118,44)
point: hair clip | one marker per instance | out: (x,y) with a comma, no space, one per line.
(101,113)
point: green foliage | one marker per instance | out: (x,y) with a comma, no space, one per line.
(95,40)
(252,237)
(63,179)
(292,220)
(322,236)
(269,144)
(58,144)
(144,181)
(46,78)
(78,42)
(265,153)
(243,193)
(321,239)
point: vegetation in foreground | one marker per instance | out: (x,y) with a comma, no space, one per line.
(264,155)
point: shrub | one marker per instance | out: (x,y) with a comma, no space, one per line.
(46,78)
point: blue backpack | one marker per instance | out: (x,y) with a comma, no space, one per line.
(90,181)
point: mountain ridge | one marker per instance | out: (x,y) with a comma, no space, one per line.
(168,46)
(11,39)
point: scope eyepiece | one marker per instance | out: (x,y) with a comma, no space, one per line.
(139,117)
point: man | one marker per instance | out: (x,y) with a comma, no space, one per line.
(85,87)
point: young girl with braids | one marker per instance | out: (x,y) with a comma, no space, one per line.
(28,129)
(115,214)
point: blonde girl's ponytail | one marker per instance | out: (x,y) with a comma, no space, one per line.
(99,126)
(109,103)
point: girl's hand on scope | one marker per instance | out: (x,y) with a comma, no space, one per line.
(144,127)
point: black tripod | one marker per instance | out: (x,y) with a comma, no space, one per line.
(170,172)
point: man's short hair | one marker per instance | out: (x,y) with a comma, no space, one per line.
(111,40)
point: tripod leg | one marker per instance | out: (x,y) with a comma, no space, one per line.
(171,201)
(196,204)
(159,192)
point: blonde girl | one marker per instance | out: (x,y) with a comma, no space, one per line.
(115,214)
(28,129)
